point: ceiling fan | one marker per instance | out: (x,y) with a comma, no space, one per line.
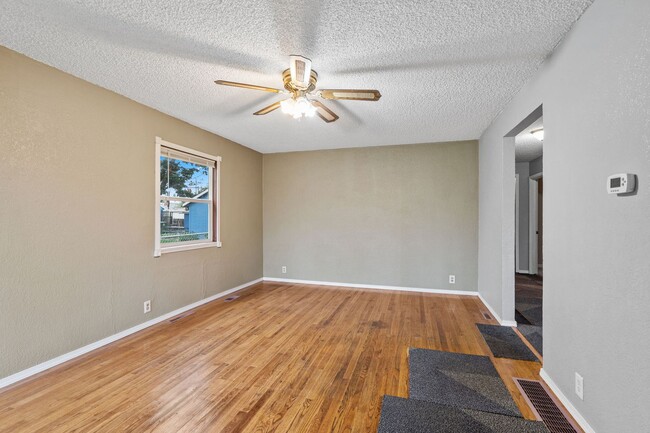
(300,83)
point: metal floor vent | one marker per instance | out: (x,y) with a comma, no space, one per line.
(487,316)
(230,299)
(546,408)
(180,316)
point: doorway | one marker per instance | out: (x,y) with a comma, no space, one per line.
(536,201)
(528,269)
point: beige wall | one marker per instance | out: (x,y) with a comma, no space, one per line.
(395,215)
(77,222)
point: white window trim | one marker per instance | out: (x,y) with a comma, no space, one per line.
(216,189)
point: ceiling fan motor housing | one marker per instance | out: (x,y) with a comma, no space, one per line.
(291,87)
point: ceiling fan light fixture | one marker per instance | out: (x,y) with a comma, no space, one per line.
(302,104)
(300,83)
(287,106)
(538,133)
(298,107)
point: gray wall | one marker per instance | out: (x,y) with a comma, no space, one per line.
(536,165)
(77,213)
(397,215)
(525,170)
(596,95)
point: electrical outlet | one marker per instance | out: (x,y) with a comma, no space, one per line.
(580,387)
(284,269)
(452,279)
(147,307)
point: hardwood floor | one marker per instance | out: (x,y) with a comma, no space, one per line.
(282,357)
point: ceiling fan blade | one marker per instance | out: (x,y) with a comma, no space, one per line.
(248,86)
(350,94)
(324,113)
(300,68)
(267,110)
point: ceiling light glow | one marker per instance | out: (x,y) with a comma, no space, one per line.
(298,107)
(538,133)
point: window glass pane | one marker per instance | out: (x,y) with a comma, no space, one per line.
(183,221)
(183,179)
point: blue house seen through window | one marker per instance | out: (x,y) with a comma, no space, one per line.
(196,219)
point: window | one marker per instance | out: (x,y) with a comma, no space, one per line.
(187,199)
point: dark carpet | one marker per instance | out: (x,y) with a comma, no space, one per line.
(520,319)
(534,336)
(528,308)
(531,311)
(505,343)
(456,379)
(399,415)
(528,299)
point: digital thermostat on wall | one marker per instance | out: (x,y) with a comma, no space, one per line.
(620,183)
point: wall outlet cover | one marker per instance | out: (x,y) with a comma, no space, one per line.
(147,307)
(284,269)
(452,279)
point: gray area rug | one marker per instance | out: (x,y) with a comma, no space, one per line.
(399,415)
(456,379)
(505,343)
(534,336)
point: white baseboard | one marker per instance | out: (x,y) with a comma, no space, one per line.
(9,380)
(502,322)
(565,401)
(374,286)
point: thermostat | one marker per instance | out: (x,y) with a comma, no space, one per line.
(620,183)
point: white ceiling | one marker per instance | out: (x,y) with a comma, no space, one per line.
(528,147)
(445,68)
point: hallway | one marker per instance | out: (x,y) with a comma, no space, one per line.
(528,308)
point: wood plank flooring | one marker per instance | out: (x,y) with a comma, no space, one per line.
(280,358)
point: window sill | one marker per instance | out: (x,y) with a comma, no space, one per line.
(189,247)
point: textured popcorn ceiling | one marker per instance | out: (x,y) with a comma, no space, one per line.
(528,147)
(445,68)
